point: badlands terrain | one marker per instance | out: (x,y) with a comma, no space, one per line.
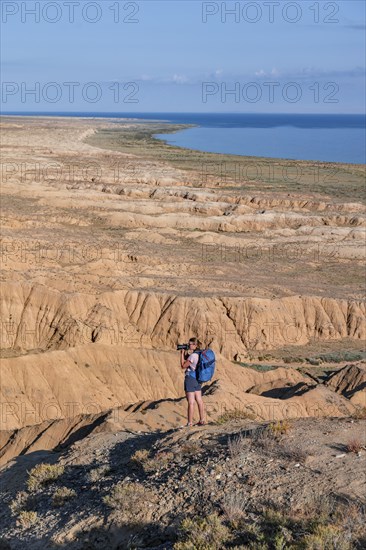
(116,247)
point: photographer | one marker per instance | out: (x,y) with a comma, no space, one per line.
(193,389)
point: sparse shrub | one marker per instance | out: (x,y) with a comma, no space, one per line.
(190,448)
(327,537)
(281,427)
(42,474)
(237,445)
(264,438)
(62,495)
(236,414)
(140,456)
(257,366)
(27,519)
(281,539)
(317,506)
(316,361)
(234,507)
(321,523)
(98,473)
(160,460)
(351,517)
(328,523)
(339,356)
(131,499)
(151,464)
(207,533)
(18,503)
(294,453)
(354,446)
(266,357)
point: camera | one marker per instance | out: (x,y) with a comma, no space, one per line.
(182,346)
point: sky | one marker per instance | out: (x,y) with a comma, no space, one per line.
(183,56)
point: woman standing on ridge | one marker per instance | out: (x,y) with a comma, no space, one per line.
(192,387)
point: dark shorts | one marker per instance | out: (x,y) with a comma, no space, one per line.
(191,384)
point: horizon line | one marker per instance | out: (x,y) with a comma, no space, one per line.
(94,113)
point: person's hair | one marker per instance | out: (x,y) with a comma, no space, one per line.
(195,340)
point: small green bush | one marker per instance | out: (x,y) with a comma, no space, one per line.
(129,498)
(27,519)
(281,427)
(98,473)
(18,503)
(43,474)
(152,464)
(327,537)
(207,533)
(257,366)
(161,460)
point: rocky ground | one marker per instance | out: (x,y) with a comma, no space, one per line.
(244,472)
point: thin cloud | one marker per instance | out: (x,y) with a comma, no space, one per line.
(311,73)
(273,73)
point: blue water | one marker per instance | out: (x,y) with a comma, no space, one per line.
(322,144)
(329,138)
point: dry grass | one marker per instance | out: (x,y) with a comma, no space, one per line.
(332,523)
(152,464)
(264,438)
(237,446)
(327,536)
(294,453)
(207,533)
(131,499)
(18,503)
(161,460)
(97,474)
(27,519)
(140,456)
(190,448)
(234,506)
(316,505)
(43,474)
(321,523)
(281,427)
(354,445)
(236,414)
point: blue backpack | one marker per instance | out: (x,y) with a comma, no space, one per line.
(206,365)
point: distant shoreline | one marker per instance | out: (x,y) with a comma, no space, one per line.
(330,138)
